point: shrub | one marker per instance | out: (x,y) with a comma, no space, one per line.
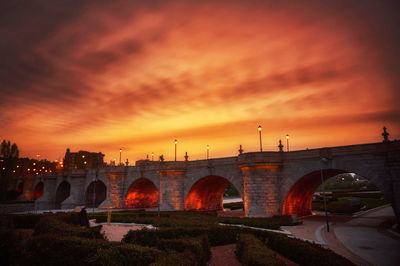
(69,217)
(234,205)
(217,235)
(188,219)
(26,221)
(299,251)
(127,254)
(9,247)
(53,249)
(54,225)
(185,258)
(199,246)
(251,251)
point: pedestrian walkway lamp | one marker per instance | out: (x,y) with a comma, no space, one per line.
(259,131)
(287,142)
(208,150)
(175,141)
(324,160)
(120,153)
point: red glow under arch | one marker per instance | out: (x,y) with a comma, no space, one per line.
(142,194)
(206,194)
(20,187)
(38,192)
(298,200)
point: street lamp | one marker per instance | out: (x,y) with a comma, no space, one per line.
(175,141)
(152,156)
(287,142)
(324,160)
(208,150)
(259,131)
(120,153)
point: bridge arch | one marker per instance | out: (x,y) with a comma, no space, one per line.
(20,187)
(95,194)
(206,194)
(38,190)
(142,193)
(299,197)
(62,193)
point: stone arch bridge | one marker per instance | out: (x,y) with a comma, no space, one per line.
(270,183)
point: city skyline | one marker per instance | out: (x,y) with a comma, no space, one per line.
(101,76)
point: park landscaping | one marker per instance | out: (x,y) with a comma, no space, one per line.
(182,238)
(336,205)
(347,205)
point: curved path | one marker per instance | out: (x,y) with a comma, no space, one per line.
(365,240)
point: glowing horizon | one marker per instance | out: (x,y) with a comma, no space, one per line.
(99,76)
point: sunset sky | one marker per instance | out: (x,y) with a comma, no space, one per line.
(100,75)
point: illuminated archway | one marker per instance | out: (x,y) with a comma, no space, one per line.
(141,194)
(38,191)
(62,193)
(20,187)
(95,194)
(207,194)
(299,198)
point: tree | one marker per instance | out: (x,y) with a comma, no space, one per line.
(9,159)
(9,151)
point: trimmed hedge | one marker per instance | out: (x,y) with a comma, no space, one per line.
(128,254)
(185,258)
(55,225)
(199,246)
(51,249)
(217,235)
(30,220)
(234,205)
(188,219)
(9,247)
(251,251)
(299,251)
(26,221)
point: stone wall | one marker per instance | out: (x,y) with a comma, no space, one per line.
(263,179)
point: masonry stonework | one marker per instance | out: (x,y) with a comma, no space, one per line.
(263,179)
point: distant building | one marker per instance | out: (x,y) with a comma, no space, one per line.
(83,160)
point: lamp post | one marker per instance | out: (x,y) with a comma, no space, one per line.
(259,131)
(287,142)
(120,153)
(175,141)
(208,150)
(95,181)
(152,156)
(323,160)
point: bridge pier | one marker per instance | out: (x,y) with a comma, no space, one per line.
(115,189)
(172,189)
(76,195)
(47,200)
(260,183)
(260,172)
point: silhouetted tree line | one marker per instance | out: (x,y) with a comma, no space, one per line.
(11,166)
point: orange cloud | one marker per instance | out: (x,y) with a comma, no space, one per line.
(138,75)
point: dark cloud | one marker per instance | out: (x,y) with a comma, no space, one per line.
(81,65)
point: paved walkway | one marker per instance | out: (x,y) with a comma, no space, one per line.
(365,240)
(223,255)
(367,236)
